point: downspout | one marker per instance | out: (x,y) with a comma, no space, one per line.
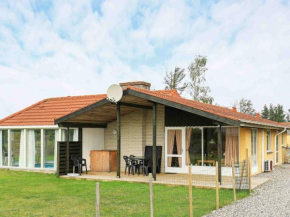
(285,129)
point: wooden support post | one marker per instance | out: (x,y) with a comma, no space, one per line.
(190,191)
(234,180)
(154,141)
(217,185)
(220,154)
(98,200)
(151,195)
(67,150)
(118,140)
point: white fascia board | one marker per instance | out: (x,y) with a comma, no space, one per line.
(246,123)
(31,127)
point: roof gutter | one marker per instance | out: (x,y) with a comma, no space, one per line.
(247,123)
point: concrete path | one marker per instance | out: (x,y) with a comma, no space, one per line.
(270,199)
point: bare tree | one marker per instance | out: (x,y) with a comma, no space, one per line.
(198,90)
(173,80)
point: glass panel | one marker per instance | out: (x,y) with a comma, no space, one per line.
(174,161)
(73,135)
(210,151)
(33,149)
(268,140)
(195,150)
(49,144)
(3,147)
(15,147)
(254,147)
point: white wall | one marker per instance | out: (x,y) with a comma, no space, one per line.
(93,139)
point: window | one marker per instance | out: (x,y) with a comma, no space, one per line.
(73,135)
(268,140)
(202,150)
(50,140)
(3,147)
(254,143)
(17,148)
(33,149)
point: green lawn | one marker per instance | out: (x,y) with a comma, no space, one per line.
(37,194)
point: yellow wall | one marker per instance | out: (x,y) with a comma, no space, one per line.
(245,143)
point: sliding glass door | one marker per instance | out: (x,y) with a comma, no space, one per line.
(200,147)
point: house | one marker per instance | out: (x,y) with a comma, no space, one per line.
(189,132)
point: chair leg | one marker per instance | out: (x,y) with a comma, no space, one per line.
(125,169)
(86,169)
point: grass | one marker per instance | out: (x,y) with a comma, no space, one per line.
(37,194)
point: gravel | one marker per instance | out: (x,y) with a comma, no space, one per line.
(270,199)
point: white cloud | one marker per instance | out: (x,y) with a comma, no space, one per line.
(68,48)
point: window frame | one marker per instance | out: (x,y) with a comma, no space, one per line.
(269,141)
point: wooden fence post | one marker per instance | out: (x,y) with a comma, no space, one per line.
(248,167)
(250,175)
(151,195)
(217,185)
(190,191)
(234,180)
(98,200)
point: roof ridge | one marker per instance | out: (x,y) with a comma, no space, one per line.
(80,96)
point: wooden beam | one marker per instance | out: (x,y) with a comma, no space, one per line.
(182,107)
(154,141)
(220,154)
(67,150)
(80,131)
(82,125)
(80,111)
(118,140)
(135,105)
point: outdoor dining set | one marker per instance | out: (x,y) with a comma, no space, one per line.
(136,164)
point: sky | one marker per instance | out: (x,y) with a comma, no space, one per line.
(66,48)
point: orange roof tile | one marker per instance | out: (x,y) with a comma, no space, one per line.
(45,111)
(213,109)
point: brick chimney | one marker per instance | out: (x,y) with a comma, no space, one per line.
(138,84)
(234,109)
(258,115)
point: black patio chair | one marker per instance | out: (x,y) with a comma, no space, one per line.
(127,164)
(76,163)
(135,166)
(149,159)
(83,163)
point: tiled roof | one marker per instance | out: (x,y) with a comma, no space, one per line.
(213,109)
(45,111)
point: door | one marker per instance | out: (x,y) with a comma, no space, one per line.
(174,150)
(93,139)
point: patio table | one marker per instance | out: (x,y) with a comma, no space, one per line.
(141,158)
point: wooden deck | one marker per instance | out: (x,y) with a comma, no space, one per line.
(198,180)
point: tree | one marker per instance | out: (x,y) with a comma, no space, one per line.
(275,113)
(198,90)
(288,116)
(265,112)
(173,80)
(245,106)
